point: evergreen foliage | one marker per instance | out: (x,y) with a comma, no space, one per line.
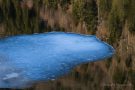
(18,18)
(86,11)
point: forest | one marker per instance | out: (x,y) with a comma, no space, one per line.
(113,21)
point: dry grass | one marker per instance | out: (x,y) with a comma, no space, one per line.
(63,19)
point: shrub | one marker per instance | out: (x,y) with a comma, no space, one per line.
(115,26)
(1,15)
(119,76)
(18,19)
(128,61)
(53,4)
(132,77)
(77,10)
(86,11)
(104,7)
(90,16)
(108,63)
(64,4)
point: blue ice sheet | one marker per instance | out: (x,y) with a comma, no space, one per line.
(27,59)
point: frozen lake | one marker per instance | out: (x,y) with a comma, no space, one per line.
(27,59)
